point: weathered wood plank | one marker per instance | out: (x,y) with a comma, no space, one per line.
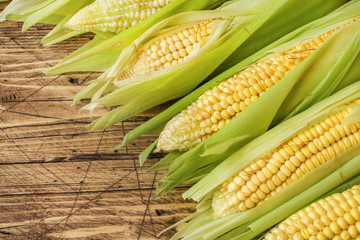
(66,177)
(57,179)
(53,141)
(104,215)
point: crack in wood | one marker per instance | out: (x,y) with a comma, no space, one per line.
(91,200)
(68,122)
(83,158)
(81,186)
(25,98)
(6,233)
(147,210)
(56,135)
(123,190)
(35,115)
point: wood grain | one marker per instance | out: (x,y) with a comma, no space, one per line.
(57,179)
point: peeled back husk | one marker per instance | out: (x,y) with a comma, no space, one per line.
(101,53)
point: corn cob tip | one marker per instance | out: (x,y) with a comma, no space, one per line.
(334,217)
(114,15)
(184,125)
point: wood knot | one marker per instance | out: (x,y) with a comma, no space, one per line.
(73,80)
(160,212)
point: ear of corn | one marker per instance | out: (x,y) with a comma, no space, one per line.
(251,222)
(321,189)
(334,217)
(167,51)
(334,192)
(113,16)
(211,153)
(286,164)
(241,160)
(101,54)
(216,107)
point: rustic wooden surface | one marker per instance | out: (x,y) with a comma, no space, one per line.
(58,180)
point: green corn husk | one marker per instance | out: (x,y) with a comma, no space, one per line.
(166,84)
(56,12)
(334,64)
(252,222)
(100,53)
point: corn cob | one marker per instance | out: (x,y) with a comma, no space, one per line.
(114,15)
(335,217)
(286,163)
(216,107)
(166,51)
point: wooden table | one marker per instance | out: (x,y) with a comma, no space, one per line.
(57,179)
